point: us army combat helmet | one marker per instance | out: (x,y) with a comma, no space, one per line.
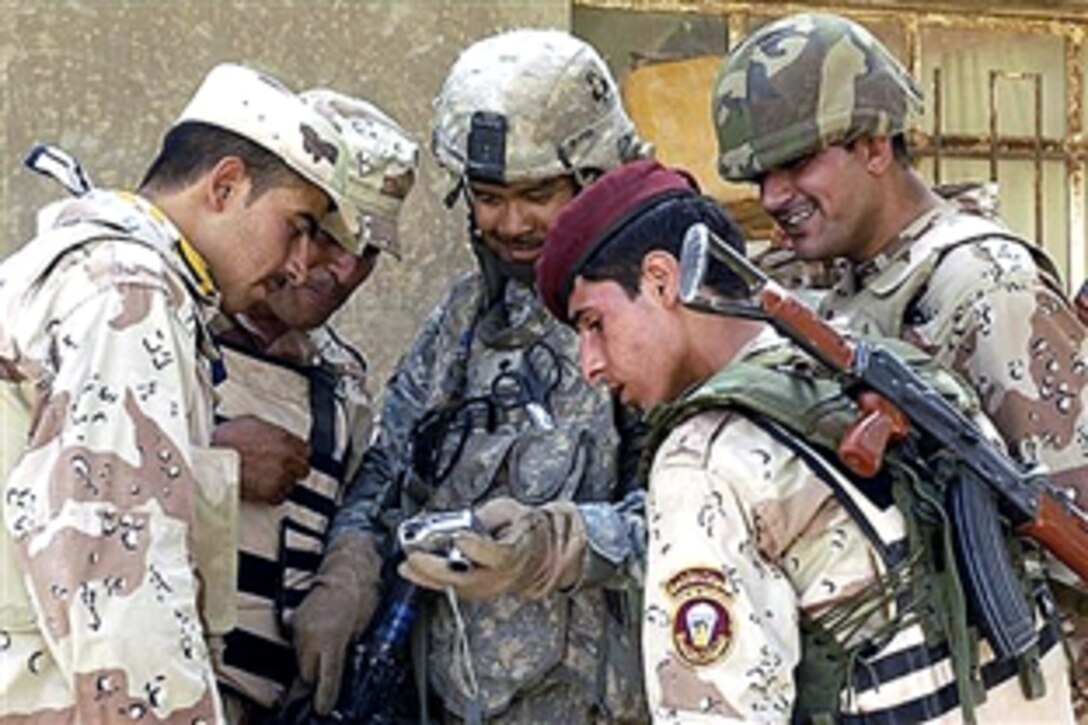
(260,108)
(801,84)
(528,105)
(378,172)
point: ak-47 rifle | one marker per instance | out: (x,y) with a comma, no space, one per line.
(894,401)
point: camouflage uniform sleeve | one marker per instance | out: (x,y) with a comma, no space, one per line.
(616,532)
(1017,341)
(720,618)
(406,397)
(101,503)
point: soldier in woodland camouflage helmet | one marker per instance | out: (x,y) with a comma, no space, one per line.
(486,410)
(116,554)
(813,109)
(803,84)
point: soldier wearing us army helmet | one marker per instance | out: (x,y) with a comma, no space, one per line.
(523,121)
(522,113)
(834,173)
(549,102)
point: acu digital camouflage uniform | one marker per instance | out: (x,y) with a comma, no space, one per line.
(959,285)
(557,658)
(572,656)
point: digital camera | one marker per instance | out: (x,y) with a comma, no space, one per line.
(433,532)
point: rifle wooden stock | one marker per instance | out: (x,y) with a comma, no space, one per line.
(1060,531)
(893,399)
(805,327)
(1051,523)
(862,448)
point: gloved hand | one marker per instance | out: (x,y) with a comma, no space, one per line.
(531,551)
(336,611)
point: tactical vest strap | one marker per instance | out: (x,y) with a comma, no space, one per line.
(937,703)
(876,489)
(887,299)
(323,449)
(797,392)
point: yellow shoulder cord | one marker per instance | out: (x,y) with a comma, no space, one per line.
(192,258)
(197,265)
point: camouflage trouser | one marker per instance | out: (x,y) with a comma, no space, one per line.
(1073,610)
(558,703)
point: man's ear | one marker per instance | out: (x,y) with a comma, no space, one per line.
(225,182)
(661,277)
(878,154)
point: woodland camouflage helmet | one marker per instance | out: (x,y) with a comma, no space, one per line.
(527,105)
(801,84)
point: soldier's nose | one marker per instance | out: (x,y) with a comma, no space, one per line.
(775,190)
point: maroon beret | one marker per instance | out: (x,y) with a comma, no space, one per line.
(597,215)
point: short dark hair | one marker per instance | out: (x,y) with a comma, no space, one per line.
(901,150)
(662,227)
(192,148)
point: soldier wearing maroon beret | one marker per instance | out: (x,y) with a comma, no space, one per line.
(774,586)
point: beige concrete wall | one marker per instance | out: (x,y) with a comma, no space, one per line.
(104,78)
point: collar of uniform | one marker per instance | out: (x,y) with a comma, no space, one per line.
(194,260)
(899,247)
(193,265)
(154,227)
(767,339)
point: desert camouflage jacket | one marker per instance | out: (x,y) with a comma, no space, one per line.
(988,305)
(116,511)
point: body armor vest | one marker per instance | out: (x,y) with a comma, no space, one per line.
(281,546)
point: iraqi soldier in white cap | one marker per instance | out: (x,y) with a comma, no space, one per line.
(116,577)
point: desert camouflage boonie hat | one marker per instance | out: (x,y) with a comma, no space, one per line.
(377,174)
(528,105)
(801,84)
(260,108)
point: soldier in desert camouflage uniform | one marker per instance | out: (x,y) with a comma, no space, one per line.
(116,554)
(297,409)
(814,110)
(486,410)
(779,586)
